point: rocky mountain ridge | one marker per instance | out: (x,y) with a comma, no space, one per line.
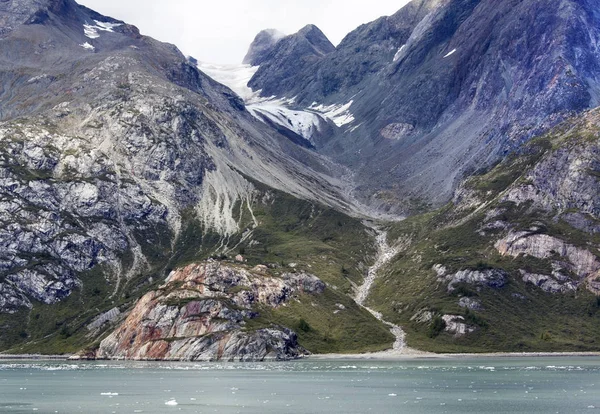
(444,87)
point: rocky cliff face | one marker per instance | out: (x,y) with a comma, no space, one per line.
(444,87)
(200,313)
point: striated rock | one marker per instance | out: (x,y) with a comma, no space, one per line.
(548,283)
(100,320)
(494,278)
(582,262)
(423,316)
(200,313)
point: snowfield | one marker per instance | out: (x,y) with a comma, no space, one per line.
(282,111)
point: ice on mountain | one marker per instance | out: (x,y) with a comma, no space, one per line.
(399,53)
(106,27)
(303,123)
(450,53)
(88,46)
(339,114)
(91,30)
(236,77)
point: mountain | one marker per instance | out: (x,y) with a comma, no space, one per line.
(263,44)
(148,211)
(289,58)
(512,263)
(120,161)
(443,88)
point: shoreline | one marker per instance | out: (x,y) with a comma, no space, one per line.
(377,356)
(384,356)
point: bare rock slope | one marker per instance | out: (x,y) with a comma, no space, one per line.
(200,314)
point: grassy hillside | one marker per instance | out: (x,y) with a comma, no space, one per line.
(555,178)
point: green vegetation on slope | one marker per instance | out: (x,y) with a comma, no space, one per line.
(516,317)
(292,235)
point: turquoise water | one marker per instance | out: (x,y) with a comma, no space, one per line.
(477,385)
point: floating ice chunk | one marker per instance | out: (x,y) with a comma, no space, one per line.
(171,403)
(110,394)
(392,395)
(87,46)
(450,53)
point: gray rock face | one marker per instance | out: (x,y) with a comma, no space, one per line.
(200,312)
(107,140)
(263,44)
(289,58)
(581,262)
(445,87)
(494,278)
(455,325)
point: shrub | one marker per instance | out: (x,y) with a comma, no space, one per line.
(437,327)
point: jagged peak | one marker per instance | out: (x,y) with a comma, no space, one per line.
(317,38)
(263,43)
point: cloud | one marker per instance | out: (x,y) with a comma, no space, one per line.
(221,31)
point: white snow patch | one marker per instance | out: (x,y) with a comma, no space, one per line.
(107,27)
(87,46)
(399,53)
(450,53)
(91,30)
(303,123)
(339,114)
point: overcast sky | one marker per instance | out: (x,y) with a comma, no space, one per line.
(220,31)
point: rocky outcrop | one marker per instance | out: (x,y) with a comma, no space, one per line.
(581,262)
(493,278)
(200,313)
(549,284)
(288,58)
(456,325)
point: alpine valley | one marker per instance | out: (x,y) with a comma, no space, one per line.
(432,183)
